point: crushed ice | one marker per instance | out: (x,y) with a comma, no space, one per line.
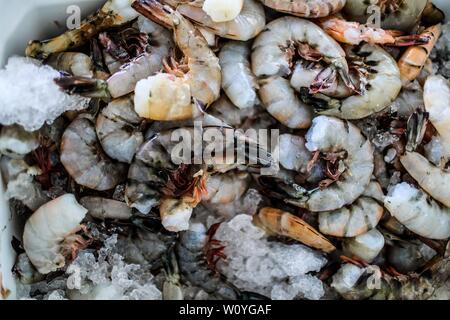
(30,97)
(274,269)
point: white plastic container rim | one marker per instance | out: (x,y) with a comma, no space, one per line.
(21,21)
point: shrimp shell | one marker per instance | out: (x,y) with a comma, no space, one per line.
(247,25)
(286,224)
(306,8)
(238,80)
(418,212)
(47,229)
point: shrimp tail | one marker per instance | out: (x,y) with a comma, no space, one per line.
(155,11)
(318,101)
(416,127)
(87,87)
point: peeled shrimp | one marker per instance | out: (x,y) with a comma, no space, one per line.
(247,25)
(118,129)
(50,233)
(202,80)
(124,81)
(432,179)
(113,13)
(306,8)
(329,134)
(84,159)
(238,80)
(76,63)
(418,212)
(286,224)
(280,100)
(381,85)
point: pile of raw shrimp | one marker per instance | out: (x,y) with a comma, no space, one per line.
(357,202)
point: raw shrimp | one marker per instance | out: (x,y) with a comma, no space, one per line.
(293,153)
(380,86)
(124,81)
(15,142)
(414,58)
(437,104)
(274,48)
(238,80)
(203,76)
(286,224)
(354,33)
(305,75)
(84,159)
(331,135)
(75,63)
(226,188)
(366,246)
(113,13)
(50,233)
(395,14)
(171,287)
(355,283)
(193,263)
(247,25)
(218,10)
(306,8)
(119,128)
(280,100)
(354,220)
(435,181)
(418,212)
(103,208)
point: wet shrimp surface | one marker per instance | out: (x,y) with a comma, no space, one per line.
(249,149)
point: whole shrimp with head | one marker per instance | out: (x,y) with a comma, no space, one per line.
(157,46)
(168,96)
(272,61)
(352,155)
(113,13)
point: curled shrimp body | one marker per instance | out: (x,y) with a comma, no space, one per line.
(395,14)
(306,8)
(418,212)
(84,159)
(103,208)
(113,13)
(280,100)
(331,135)
(50,233)
(380,85)
(366,246)
(437,103)
(238,80)
(76,63)
(125,79)
(414,58)
(204,75)
(247,25)
(432,179)
(273,48)
(360,217)
(118,129)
